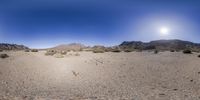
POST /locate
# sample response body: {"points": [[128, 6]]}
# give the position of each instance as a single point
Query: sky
{"points": [[46, 23]]}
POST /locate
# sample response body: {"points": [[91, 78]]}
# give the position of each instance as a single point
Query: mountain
{"points": [[72, 46], [174, 44], [6, 46]]}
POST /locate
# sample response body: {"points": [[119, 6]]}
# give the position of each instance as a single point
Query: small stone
{"points": [[175, 89]]}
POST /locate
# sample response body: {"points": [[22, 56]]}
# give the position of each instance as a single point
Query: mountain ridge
{"points": [[162, 44], [7, 46], [172, 44]]}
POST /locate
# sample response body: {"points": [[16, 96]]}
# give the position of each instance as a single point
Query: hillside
{"points": [[160, 45], [72, 46], [6, 46]]}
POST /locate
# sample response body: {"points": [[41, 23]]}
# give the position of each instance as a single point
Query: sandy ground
{"points": [[103, 76]]}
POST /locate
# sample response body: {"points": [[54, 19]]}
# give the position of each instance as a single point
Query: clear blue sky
{"points": [[46, 23]]}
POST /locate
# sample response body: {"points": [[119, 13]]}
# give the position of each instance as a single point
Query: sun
{"points": [[164, 31]]}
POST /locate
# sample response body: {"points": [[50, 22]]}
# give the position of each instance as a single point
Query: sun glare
{"points": [[164, 31]]}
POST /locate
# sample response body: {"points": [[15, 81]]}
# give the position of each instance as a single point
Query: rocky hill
{"points": [[6, 46], [160, 45], [72, 46]]}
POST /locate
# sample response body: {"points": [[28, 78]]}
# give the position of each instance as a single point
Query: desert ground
{"points": [[100, 76]]}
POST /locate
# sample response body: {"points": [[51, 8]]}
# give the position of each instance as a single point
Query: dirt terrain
{"points": [[100, 76]]}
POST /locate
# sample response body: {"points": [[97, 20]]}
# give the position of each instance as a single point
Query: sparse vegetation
{"points": [[58, 55], [151, 47], [138, 50], [128, 50], [108, 49], [4, 56], [187, 51], [76, 54], [156, 51], [1, 50], [34, 50], [116, 50], [63, 52], [26, 50], [98, 51], [50, 52], [172, 50]]}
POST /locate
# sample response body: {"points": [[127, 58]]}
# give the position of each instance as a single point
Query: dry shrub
{"points": [[76, 54], [34, 50], [187, 51], [63, 52], [50, 52], [199, 56], [1, 50], [172, 50], [26, 50], [128, 50], [98, 51], [4, 56], [138, 50], [108, 49], [116, 50], [58, 55], [155, 51]]}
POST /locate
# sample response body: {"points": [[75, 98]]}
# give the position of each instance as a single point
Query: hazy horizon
{"points": [[47, 23]]}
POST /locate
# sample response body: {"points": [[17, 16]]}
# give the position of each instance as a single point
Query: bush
{"points": [[172, 50], [58, 55], [151, 47], [76, 54], [63, 52], [138, 50], [128, 50], [187, 51], [34, 50], [50, 52], [1, 50], [116, 50], [199, 56], [4, 56], [108, 49], [26, 50], [155, 51], [98, 51]]}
